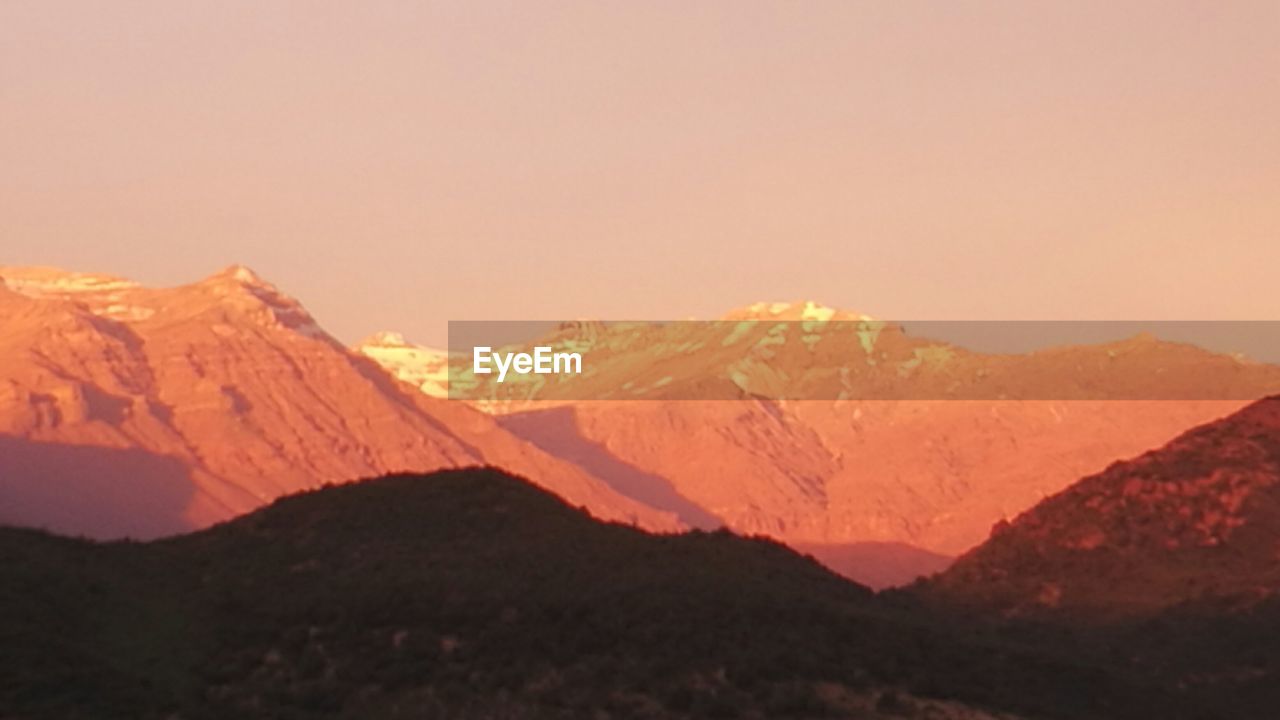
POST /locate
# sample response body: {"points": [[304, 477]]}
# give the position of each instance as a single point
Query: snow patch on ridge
{"points": [[386, 339], [814, 311], [244, 274], [424, 367], [126, 313], [44, 282], [804, 310]]}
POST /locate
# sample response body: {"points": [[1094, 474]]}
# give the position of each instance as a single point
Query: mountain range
{"points": [[634, 565], [198, 403], [901, 484]]}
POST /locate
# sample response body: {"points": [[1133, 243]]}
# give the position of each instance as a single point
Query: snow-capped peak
{"points": [[385, 339], [805, 310], [427, 368], [238, 274]]}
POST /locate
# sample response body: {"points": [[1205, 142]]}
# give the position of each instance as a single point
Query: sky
{"points": [[399, 164]]}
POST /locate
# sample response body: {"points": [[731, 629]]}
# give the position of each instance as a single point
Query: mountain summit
{"points": [[806, 310]]}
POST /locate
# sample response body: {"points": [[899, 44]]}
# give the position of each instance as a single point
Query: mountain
{"points": [[922, 473], [198, 403], [1194, 522], [470, 593]]}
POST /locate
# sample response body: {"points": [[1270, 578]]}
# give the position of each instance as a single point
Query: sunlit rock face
{"points": [[188, 405]]}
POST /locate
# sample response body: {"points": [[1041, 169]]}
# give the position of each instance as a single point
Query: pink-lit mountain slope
{"points": [[179, 407]]}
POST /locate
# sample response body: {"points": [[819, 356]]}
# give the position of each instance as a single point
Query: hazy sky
{"points": [[399, 164]]}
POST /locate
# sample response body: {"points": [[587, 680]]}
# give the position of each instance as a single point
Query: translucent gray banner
{"points": [[852, 358]]}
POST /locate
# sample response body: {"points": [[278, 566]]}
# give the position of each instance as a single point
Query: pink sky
{"points": [[399, 164]]}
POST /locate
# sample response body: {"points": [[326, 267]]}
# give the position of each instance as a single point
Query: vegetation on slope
{"points": [[473, 594]]}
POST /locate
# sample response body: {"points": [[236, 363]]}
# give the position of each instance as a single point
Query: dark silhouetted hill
{"points": [[473, 594], [1164, 569]]}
